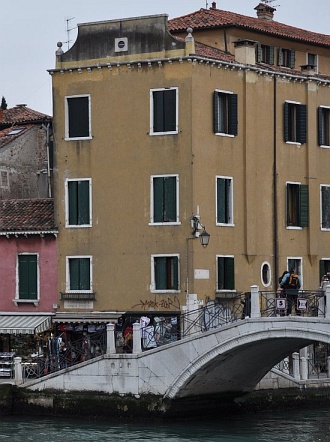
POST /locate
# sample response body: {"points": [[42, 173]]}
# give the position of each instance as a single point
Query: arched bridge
{"points": [[230, 358]]}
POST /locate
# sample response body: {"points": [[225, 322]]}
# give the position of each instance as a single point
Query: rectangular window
{"points": [[79, 274], [296, 264], [324, 266], [323, 125], [225, 113], [28, 276], [297, 213], [164, 111], [286, 58], [325, 207], [78, 203], [295, 125], [78, 118], [4, 182], [265, 54], [312, 60], [225, 271], [224, 192], [164, 199], [165, 273]]}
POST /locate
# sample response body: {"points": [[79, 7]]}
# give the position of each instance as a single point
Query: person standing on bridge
{"points": [[290, 283]]}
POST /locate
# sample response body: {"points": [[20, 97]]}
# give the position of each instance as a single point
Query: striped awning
{"points": [[24, 324]]}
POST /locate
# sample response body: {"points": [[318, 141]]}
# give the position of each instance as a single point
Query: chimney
{"points": [[190, 43], [308, 69], [265, 12], [245, 51], [214, 5]]}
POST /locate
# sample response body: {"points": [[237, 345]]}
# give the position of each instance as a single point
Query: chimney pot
{"points": [[214, 5]]}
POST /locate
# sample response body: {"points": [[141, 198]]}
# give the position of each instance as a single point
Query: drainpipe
{"points": [[275, 239]]}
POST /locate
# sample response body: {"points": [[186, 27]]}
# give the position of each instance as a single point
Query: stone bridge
{"points": [[230, 359]]}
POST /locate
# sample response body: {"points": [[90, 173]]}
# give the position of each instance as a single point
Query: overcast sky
{"points": [[31, 29]]}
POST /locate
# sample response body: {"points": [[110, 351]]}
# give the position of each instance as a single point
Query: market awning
{"points": [[24, 324], [87, 317]]}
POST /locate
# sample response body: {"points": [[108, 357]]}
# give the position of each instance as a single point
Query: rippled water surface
{"points": [[302, 426]]}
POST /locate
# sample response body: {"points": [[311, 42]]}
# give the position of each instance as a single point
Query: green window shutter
{"points": [[158, 109], [232, 107], [160, 273], [83, 202], [270, 55], [27, 274], [216, 111], [169, 199], [320, 126], [230, 276], [259, 53], [84, 274], [170, 110], [286, 122], [78, 114], [304, 206], [74, 273], [221, 273], [73, 202], [292, 58], [158, 184], [301, 123], [325, 206], [221, 200], [280, 57], [175, 269]]}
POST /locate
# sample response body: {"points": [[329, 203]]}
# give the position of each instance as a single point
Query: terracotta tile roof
{"points": [[210, 52], [21, 114], [11, 133], [27, 215], [216, 18]]}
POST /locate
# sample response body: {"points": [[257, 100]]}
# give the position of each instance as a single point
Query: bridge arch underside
{"points": [[237, 365]]}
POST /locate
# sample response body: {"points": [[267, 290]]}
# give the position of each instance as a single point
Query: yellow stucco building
{"points": [[213, 119]]}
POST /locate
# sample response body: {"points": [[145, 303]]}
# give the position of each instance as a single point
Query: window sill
{"points": [[293, 143], [26, 301], [152, 134], [221, 134], [325, 146], [78, 139], [170, 223], [225, 225], [293, 228], [78, 226], [159, 292], [81, 296]]}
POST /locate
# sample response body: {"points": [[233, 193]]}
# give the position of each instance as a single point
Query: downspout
{"points": [[48, 162], [275, 239]]}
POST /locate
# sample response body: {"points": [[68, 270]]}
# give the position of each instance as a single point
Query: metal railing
{"points": [[306, 303]]}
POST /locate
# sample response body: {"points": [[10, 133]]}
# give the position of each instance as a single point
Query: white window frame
{"points": [[321, 208], [325, 146], [266, 263], [171, 223], [153, 276], [77, 226], [176, 131], [286, 205], [224, 134], [89, 137], [217, 273], [17, 299], [231, 203], [316, 58], [298, 103], [67, 279]]}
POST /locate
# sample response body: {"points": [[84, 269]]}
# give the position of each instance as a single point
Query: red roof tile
{"points": [[27, 215], [22, 114], [216, 18], [9, 134]]}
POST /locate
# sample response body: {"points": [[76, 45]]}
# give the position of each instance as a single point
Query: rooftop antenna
{"points": [[206, 4], [68, 30]]}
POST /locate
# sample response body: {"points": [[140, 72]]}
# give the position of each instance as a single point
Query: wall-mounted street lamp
{"points": [[196, 225], [204, 238]]}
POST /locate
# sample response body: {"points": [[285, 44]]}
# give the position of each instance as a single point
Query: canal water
{"points": [[290, 425]]}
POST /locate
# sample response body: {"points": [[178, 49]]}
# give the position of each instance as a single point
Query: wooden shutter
{"points": [[280, 57], [320, 126], [286, 122], [169, 199], [229, 272], [304, 206], [73, 202], [259, 53], [270, 53], [74, 273], [221, 200], [325, 206], [170, 110], [78, 116], [292, 58], [27, 277], [160, 273], [221, 273], [158, 110], [301, 123], [175, 270], [158, 187], [232, 120], [83, 202], [216, 112], [84, 274]]}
